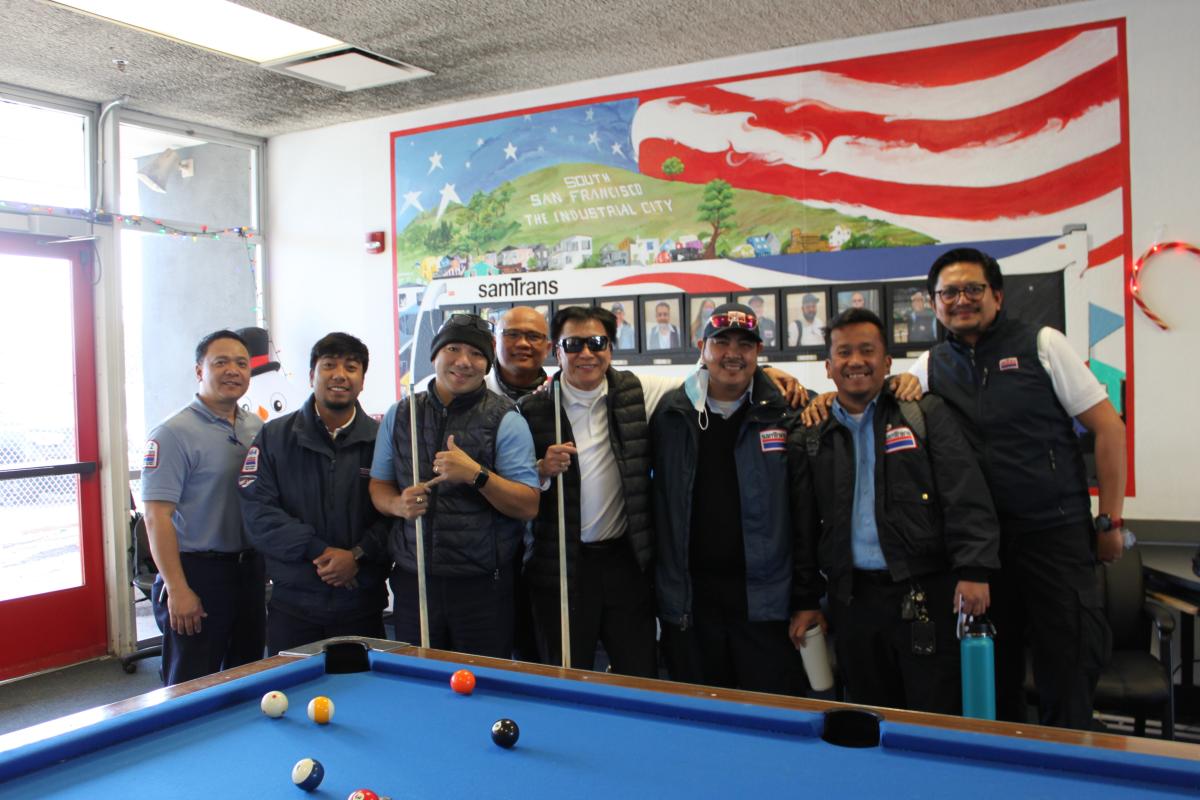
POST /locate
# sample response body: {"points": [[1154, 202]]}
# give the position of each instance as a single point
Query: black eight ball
{"points": [[505, 733]]}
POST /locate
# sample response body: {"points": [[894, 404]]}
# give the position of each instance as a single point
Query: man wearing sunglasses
{"points": [[477, 489], [1016, 388], [724, 532], [605, 457]]}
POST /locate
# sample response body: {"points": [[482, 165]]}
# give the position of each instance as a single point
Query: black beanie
{"points": [[468, 329]]}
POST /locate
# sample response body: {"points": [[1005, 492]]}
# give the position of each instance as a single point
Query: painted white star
{"points": [[467, 164], [554, 129], [510, 152], [594, 138], [528, 117], [435, 162], [616, 149], [448, 196], [412, 200], [590, 115], [479, 142]]}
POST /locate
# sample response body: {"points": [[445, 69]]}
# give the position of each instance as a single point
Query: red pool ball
{"points": [[463, 681]]}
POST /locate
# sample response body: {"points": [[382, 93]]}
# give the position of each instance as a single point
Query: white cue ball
{"points": [[274, 704]]}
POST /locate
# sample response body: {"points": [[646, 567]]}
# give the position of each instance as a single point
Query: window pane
{"points": [[39, 536], [43, 156], [170, 176]]}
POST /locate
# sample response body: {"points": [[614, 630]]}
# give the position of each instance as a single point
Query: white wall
{"points": [[328, 187]]}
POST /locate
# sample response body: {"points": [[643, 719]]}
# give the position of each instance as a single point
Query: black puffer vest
{"points": [[629, 436], [1023, 437], [464, 534]]}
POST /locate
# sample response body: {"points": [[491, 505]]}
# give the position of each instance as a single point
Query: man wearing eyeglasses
{"points": [[477, 489], [724, 532], [1016, 388], [209, 596], [522, 345], [605, 457]]}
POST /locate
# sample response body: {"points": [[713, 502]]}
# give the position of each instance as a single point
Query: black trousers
{"points": [[875, 649], [466, 614], [612, 602], [724, 648], [1047, 596], [524, 639], [286, 630], [233, 594]]}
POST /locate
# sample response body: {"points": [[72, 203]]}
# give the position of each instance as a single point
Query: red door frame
{"points": [[70, 625]]}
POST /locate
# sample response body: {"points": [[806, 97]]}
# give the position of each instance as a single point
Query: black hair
{"points": [[583, 314], [969, 255], [203, 345], [854, 316], [339, 345]]}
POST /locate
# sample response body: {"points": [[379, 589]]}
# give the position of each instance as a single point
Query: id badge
{"points": [[923, 642]]}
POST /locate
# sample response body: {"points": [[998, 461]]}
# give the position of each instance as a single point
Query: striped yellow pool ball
{"points": [[320, 710]]}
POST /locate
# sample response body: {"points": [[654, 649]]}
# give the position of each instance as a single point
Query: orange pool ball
{"points": [[320, 710], [463, 681]]}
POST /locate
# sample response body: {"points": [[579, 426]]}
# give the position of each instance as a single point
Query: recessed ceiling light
{"points": [[348, 69], [211, 24]]}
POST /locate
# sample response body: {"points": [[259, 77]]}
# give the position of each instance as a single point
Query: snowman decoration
{"points": [[271, 394]]}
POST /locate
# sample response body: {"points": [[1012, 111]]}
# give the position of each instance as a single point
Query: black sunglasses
{"points": [[575, 344], [464, 320]]}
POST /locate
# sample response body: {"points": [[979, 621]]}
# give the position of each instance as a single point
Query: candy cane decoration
{"points": [[1135, 284]]}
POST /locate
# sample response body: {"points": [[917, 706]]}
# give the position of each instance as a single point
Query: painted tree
{"points": [[717, 210], [484, 221], [672, 167]]}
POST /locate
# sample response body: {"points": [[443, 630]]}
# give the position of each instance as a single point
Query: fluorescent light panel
{"points": [[349, 70], [212, 24]]}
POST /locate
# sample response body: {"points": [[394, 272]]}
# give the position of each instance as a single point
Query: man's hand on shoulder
{"points": [[792, 390]]}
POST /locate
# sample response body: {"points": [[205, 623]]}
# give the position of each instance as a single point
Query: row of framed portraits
{"points": [[663, 328]]}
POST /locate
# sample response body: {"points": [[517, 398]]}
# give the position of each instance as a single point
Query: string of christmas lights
{"points": [[1135, 277], [130, 221]]}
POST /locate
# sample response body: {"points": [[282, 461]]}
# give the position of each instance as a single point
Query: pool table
{"points": [[399, 730]]}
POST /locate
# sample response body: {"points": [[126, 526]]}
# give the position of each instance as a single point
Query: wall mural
{"points": [[1010, 137]]}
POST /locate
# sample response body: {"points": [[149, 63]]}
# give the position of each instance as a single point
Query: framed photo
{"points": [[700, 308], [867, 297], [625, 310], [911, 310], [493, 311], [664, 330], [765, 304], [807, 313]]}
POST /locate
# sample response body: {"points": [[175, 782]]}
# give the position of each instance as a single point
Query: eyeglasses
{"points": [[734, 319], [464, 320], [533, 337], [973, 291], [575, 344]]}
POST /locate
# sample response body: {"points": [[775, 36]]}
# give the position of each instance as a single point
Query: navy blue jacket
{"points": [[762, 466], [302, 492]]}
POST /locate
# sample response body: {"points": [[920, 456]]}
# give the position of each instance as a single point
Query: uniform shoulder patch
{"points": [[1009, 363], [150, 457], [250, 465]]}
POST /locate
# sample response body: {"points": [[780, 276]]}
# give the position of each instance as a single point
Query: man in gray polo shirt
{"points": [[209, 594]]}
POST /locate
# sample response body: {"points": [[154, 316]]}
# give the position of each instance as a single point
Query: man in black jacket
{"points": [[900, 522], [723, 523], [305, 501]]}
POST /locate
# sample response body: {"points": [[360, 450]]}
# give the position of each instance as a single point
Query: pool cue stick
{"points": [[422, 597], [564, 611]]}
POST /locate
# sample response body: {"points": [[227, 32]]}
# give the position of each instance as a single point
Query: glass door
{"points": [[52, 609]]}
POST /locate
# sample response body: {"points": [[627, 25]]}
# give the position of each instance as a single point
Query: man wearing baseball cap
{"points": [[725, 540], [477, 485]]}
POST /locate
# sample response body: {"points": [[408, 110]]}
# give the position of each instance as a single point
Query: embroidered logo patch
{"points": [[773, 440], [251, 462], [899, 439], [150, 459], [1009, 363], [247, 480]]}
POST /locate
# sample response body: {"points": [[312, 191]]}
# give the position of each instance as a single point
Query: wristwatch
{"points": [[481, 478], [1105, 523], [357, 552]]}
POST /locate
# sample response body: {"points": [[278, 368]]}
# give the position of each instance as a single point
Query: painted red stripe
{"points": [[945, 65], [685, 281], [1114, 248], [1059, 189], [1058, 107]]}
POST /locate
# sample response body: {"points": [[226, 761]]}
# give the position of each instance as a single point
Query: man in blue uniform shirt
{"points": [[305, 500], [209, 594]]}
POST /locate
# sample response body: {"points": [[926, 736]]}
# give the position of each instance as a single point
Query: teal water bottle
{"points": [[978, 666]]}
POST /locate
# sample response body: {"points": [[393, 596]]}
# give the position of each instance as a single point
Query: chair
{"points": [[1135, 682], [142, 571]]}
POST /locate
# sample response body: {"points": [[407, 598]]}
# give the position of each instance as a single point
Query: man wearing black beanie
{"points": [[477, 487]]}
